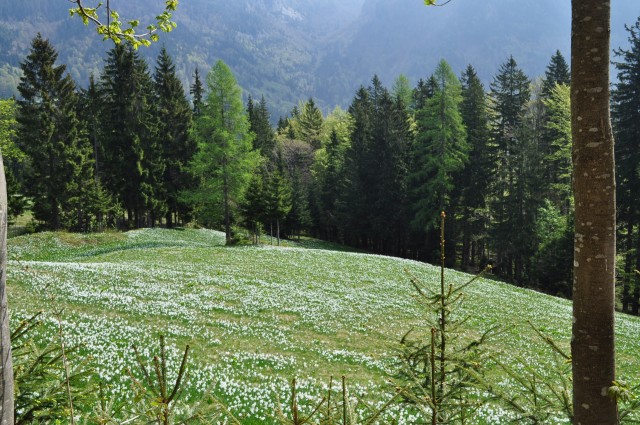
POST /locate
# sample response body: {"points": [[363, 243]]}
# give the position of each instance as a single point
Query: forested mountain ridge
{"points": [[288, 50]]}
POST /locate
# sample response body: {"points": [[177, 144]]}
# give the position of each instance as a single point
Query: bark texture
{"points": [[593, 342], [6, 367]]}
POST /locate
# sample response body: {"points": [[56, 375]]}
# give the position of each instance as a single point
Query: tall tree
{"points": [[13, 158], [626, 104], [197, 93], [476, 174], [50, 134], [177, 148], [440, 151], [510, 94], [357, 197], [557, 72], [593, 333], [558, 157], [224, 160], [259, 120], [401, 89], [309, 122], [132, 163]]}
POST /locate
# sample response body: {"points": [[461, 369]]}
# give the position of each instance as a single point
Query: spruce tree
{"points": [[197, 93], [355, 202], [133, 166], [626, 104], [259, 120], [330, 187], [310, 124], [277, 191], [476, 174], [60, 173], [557, 73], [510, 94], [254, 204], [177, 148]]}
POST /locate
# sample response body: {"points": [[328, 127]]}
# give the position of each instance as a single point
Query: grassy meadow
{"points": [[257, 316]]}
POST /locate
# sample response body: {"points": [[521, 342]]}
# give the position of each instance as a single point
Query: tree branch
{"points": [[115, 30]]}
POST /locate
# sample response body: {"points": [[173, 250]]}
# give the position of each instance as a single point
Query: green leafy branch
{"points": [[111, 27]]}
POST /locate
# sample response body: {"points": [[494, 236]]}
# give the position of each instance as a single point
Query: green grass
{"points": [[257, 316]]}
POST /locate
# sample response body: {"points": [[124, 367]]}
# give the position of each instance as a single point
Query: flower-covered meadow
{"points": [[257, 316]]}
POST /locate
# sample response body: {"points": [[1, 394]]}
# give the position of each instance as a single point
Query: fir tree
{"points": [[356, 200], [626, 104], [260, 125], [476, 174], [310, 124], [133, 166], [557, 73], [510, 94], [177, 149], [197, 92], [60, 174]]}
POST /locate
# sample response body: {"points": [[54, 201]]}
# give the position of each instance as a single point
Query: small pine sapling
{"points": [[441, 366]]}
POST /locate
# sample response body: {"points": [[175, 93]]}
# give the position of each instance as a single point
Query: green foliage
{"points": [[42, 386], [111, 27], [259, 119], [308, 124], [224, 159], [175, 146], [440, 149], [538, 397], [473, 178], [552, 261], [511, 184], [625, 104], [59, 176], [133, 166], [12, 157], [401, 89], [557, 72], [442, 366], [558, 127], [334, 408]]}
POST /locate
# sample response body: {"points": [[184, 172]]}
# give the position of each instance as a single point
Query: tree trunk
{"points": [[6, 365], [628, 267], [227, 201], [593, 341], [278, 230]]}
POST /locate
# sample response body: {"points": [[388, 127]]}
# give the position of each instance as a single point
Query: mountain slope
{"points": [[288, 50], [257, 316]]}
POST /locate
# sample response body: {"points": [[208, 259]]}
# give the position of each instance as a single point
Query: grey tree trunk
{"points": [[6, 367], [593, 341]]}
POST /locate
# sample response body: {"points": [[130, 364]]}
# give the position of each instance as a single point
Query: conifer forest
{"points": [[136, 149], [450, 170]]}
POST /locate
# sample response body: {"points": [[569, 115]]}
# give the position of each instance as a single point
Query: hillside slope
{"points": [[258, 316], [288, 50]]}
